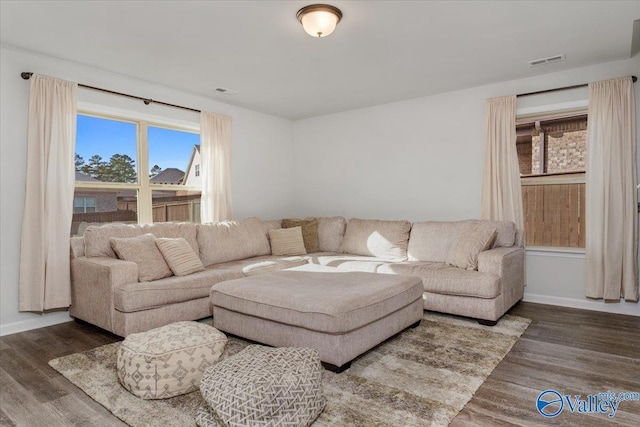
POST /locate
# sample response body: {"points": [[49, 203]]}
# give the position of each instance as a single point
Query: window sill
{"points": [[553, 251]]}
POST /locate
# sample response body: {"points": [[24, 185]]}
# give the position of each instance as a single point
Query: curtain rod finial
{"points": [[26, 75], [634, 79]]}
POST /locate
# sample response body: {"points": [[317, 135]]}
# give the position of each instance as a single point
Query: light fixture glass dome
{"points": [[319, 20]]}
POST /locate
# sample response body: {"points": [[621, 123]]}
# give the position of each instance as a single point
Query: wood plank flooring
{"points": [[569, 350]]}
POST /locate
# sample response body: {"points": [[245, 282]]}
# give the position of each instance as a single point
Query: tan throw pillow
{"points": [[143, 251], [178, 254], [309, 232], [470, 241], [287, 241]]}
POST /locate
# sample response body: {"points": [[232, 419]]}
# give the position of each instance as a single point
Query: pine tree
{"points": [[155, 170], [121, 168], [95, 167], [79, 161]]}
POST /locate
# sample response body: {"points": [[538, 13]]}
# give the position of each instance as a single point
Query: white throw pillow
{"points": [[470, 241], [287, 241], [178, 254], [143, 251]]}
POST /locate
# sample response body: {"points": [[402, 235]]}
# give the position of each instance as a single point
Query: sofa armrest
{"points": [[494, 260], [508, 264], [77, 247], [93, 281]]}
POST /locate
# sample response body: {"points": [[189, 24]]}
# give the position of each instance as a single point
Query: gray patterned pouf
{"points": [[170, 360], [263, 387]]}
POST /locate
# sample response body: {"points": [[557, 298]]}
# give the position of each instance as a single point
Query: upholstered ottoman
{"points": [[340, 314], [170, 360], [263, 386]]}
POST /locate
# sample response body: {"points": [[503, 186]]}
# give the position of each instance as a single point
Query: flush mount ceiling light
{"points": [[319, 20]]}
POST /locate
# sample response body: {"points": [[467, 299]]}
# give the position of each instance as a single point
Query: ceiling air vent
{"points": [[226, 91], [547, 60]]}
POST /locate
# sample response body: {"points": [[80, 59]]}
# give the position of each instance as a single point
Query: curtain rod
{"points": [[27, 75], [538, 92]]}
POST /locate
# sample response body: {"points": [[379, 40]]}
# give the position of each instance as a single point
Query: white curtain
{"points": [[48, 208], [215, 149], [501, 191], [611, 197]]}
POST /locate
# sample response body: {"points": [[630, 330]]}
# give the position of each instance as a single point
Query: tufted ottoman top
{"points": [[170, 360], [265, 387]]}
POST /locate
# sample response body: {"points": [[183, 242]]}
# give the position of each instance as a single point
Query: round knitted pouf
{"points": [[263, 387], [170, 360]]}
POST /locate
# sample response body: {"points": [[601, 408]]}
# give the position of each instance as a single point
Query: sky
{"points": [[168, 148]]}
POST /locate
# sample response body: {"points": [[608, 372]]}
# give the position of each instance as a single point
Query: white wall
{"points": [[262, 156], [422, 159]]}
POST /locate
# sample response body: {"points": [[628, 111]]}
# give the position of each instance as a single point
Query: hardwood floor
{"points": [[569, 350]]}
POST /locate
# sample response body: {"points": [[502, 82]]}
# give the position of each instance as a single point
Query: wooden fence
{"points": [[170, 209], [554, 214], [178, 211]]}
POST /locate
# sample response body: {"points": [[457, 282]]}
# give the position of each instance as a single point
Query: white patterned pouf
{"points": [[265, 387], [170, 360]]}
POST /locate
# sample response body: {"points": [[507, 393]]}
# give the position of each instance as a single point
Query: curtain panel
{"points": [[501, 190], [611, 194], [215, 149], [45, 281]]}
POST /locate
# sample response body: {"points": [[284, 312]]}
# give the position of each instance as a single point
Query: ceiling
{"points": [[381, 52]]}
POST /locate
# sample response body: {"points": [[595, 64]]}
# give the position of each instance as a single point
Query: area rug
{"points": [[421, 377]]}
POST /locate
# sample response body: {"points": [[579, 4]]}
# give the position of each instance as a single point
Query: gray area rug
{"points": [[421, 377]]}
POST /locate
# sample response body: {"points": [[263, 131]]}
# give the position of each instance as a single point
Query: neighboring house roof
{"points": [[84, 177], [168, 176]]}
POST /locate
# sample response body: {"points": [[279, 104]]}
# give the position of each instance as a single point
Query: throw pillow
{"points": [[470, 241], [143, 251], [287, 241], [309, 232], [178, 254]]}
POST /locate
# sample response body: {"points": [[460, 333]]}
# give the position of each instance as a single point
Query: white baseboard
{"points": [[48, 319], [628, 308]]}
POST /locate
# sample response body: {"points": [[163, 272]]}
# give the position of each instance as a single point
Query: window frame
{"points": [[144, 188], [551, 112]]}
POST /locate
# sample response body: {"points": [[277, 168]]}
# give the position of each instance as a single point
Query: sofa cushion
{"points": [[505, 232], [474, 238], [411, 268], [456, 281], [287, 241], [96, 238], [348, 262], [132, 297], [309, 228], [261, 264], [330, 233], [232, 240], [143, 251], [431, 240], [270, 224], [382, 239], [182, 260]]}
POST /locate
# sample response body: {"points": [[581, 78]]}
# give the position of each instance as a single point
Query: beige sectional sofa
{"points": [[106, 291]]}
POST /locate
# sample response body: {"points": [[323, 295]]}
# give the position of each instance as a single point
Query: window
{"points": [[197, 169], [552, 159], [84, 204], [133, 171]]}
